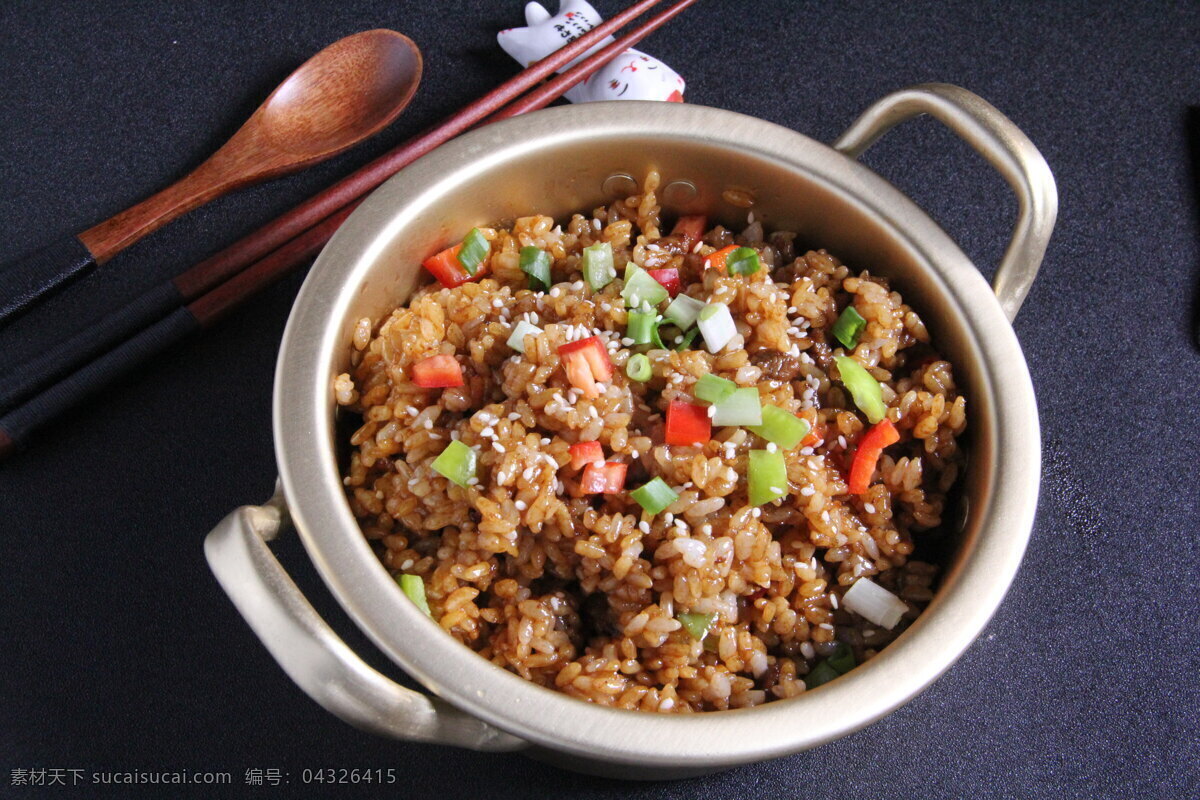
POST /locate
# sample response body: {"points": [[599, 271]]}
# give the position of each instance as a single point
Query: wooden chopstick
{"points": [[220, 283]]}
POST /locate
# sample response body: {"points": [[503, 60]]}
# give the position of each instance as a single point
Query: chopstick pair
{"points": [[201, 295]]}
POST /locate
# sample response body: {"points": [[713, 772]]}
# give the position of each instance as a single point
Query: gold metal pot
{"points": [[556, 162]]}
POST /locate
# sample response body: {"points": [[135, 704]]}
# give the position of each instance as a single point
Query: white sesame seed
{"points": [[668, 518], [497, 303], [545, 442], [756, 512], [499, 448], [412, 411], [488, 432], [555, 292], [806, 451], [577, 286], [696, 247], [644, 526], [826, 626], [842, 441], [706, 529], [869, 508], [776, 490], [428, 424], [833, 600], [473, 482], [596, 223], [791, 309], [807, 491], [520, 504], [771, 448], [711, 411], [825, 516], [408, 562], [626, 341], [514, 416]]}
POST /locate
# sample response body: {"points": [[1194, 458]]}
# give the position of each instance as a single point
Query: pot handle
{"points": [[1006, 148], [314, 656]]}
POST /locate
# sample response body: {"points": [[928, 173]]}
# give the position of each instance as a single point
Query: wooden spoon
{"points": [[342, 95]]}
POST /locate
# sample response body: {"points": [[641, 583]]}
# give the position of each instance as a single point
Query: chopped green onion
{"points": [[414, 587], [474, 250], [517, 340], [688, 338], [536, 264], [654, 496], [821, 673], [767, 477], [638, 368], [781, 427], [842, 658], [716, 326], [655, 336], [849, 327], [863, 388], [642, 288], [630, 268], [743, 261], [713, 389], [696, 625], [598, 269], [456, 463], [683, 311], [874, 603], [640, 326], [741, 407]]}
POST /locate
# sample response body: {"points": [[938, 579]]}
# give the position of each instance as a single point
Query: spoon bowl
{"points": [[349, 91]]}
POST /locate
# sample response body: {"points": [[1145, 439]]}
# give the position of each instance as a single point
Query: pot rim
{"points": [[304, 435]]}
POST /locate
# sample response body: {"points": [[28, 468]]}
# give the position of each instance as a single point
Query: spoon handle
{"points": [[213, 178], [24, 282]]}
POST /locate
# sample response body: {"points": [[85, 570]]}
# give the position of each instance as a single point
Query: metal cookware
{"points": [[566, 159]]}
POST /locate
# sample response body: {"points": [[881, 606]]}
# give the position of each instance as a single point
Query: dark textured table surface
{"points": [[119, 652]]}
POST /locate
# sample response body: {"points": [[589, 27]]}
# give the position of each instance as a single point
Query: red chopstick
{"points": [[220, 283]]}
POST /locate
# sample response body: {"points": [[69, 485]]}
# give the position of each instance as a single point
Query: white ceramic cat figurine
{"points": [[633, 75]]}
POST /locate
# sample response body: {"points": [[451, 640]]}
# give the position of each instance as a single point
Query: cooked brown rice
{"points": [[582, 593]]}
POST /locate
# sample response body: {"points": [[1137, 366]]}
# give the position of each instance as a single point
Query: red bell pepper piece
{"points": [[717, 259], [882, 434], [446, 268], [437, 372], [586, 361], [584, 453], [690, 229], [606, 478], [669, 278], [687, 423]]}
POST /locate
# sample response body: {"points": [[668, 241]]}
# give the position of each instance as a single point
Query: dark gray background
{"points": [[119, 652]]}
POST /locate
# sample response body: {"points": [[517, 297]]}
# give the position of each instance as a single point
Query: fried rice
{"points": [[591, 594]]}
